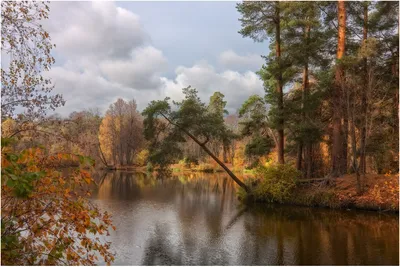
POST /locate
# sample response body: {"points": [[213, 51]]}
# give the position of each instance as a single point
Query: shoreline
{"points": [[380, 191]]}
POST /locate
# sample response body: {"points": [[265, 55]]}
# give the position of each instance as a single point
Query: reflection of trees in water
{"points": [[119, 185], [296, 236], [160, 251], [200, 202], [207, 214]]}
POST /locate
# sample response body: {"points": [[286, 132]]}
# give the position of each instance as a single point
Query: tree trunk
{"points": [[233, 176], [299, 156], [102, 157], [337, 99], [232, 154], [353, 140], [308, 162], [203, 146], [364, 98], [304, 114], [345, 133], [225, 153], [279, 88]]}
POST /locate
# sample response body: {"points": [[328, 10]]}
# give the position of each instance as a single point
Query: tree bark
{"points": [[308, 163], [279, 88], [364, 98], [353, 140], [305, 93], [345, 132], [337, 98], [299, 156], [103, 158]]}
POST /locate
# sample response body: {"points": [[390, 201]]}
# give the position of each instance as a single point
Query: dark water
{"points": [[195, 219]]}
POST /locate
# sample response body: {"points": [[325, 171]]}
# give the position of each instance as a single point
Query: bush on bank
{"points": [[273, 183]]}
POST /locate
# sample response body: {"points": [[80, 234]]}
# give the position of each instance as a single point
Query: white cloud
{"points": [[94, 29], [142, 70], [229, 59], [108, 52], [87, 89]]}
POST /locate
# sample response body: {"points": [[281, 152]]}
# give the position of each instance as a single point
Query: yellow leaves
{"points": [[52, 189], [61, 181], [81, 229], [58, 210], [86, 176], [66, 193]]}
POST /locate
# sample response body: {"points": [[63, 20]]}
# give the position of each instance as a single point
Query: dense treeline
{"points": [[348, 99], [330, 107]]}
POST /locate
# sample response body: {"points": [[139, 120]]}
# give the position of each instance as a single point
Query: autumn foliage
{"points": [[46, 217]]}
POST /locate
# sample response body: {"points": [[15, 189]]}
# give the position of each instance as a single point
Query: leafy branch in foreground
{"points": [[46, 218], [166, 129]]}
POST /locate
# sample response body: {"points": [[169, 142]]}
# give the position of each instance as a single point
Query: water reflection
{"points": [[195, 219]]}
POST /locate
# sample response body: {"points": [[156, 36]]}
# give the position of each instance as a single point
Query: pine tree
{"points": [[304, 38], [261, 20]]}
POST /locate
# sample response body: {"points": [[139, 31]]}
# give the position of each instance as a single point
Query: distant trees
{"points": [[120, 133]]}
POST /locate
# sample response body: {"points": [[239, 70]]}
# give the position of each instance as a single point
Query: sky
{"points": [[149, 50]]}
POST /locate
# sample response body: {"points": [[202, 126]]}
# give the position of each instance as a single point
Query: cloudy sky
{"points": [[150, 50]]}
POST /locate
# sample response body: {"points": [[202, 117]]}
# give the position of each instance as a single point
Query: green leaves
{"points": [[84, 160], [21, 183], [277, 182], [6, 141], [259, 146], [166, 129]]}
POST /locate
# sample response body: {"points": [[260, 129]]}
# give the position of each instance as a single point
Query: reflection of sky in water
{"points": [[196, 220]]}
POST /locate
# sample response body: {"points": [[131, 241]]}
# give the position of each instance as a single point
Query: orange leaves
{"points": [[86, 176], [55, 215], [61, 181], [66, 193]]}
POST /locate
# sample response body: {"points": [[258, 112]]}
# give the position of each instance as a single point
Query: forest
{"points": [[325, 133]]}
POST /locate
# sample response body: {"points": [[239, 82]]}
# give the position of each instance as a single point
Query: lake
{"points": [[195, 219]]}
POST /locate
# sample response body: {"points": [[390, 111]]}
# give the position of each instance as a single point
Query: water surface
{"points": [[195, 219]]}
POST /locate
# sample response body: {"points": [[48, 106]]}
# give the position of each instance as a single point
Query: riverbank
{"points": [[381, 193]]}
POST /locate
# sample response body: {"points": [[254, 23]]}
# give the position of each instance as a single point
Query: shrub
{"points": [[252, 165], [142, 157], [149, 167], [205, 167], [275, 183]]}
